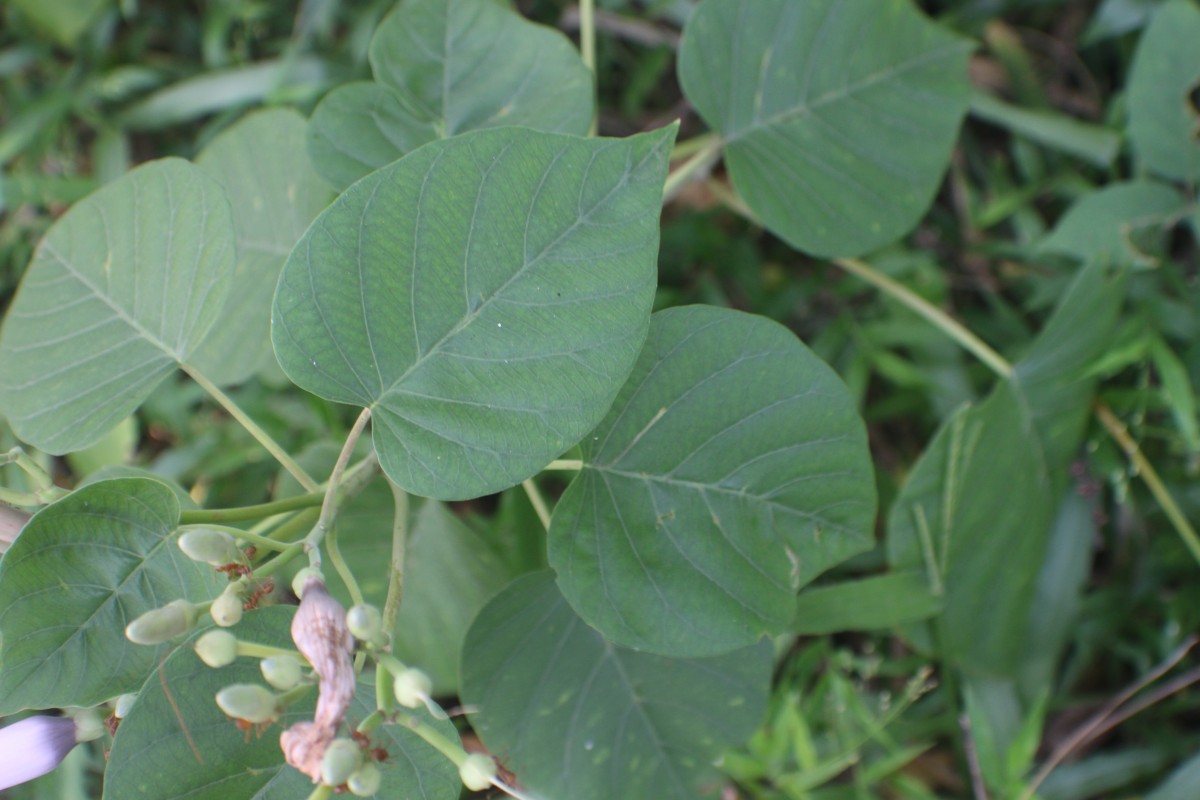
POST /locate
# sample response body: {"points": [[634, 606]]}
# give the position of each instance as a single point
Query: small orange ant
{"points": [[264, 588], [364, 741], [245, 726], [234, 570]]}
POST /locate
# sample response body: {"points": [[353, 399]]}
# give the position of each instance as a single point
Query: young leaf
{"points": [[485, 296], [574, 716], [1163, 115], [1101, 225], [986, 548], [866, 604], [124, 287], [275, 193], [82, 569], [444, 67], [839, 116], [732, 469], [181, 745]]}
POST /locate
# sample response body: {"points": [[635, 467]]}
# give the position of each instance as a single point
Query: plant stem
{"points": [[1093, 726], [939, 318], [539, 503], [1004, 369], [695, 167], [322, 792], [1146, 470], [587, 48], [300, 522], [312, 542], [205, 516], [256, 650], [433, 738], [341, 568], [247, 536], [271, 446], [573, 464], [44, 491], [391, 606]]}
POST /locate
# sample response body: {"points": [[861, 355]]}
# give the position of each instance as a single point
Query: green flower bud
{"points": [[209, 546], [411, 687], [250, 702], [88, 725], [365, 780], [365, 622], [217, 648], [123, 705], [302, 577], [161, 624], [477, 772], [282, 672], [226, 610], [342, 759]]}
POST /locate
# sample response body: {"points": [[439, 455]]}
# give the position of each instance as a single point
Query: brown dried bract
{"points": [[320, 633]]}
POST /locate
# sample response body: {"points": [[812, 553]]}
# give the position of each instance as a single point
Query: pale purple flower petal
{"points": [[32, 747]]}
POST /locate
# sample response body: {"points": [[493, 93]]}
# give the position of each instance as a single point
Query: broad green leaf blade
{"points": [[1163, 112], [360, 127], [983, 549], [123, 288], [573, 716], [444, 67], [980, 547], [866, 604], [1058, 593], [732, 469], [1101, 226], [485, 296], [182, 745], [1054, 379], [63, 20], [263, 165], [839, 116], [1052, 129], [82, 569]]}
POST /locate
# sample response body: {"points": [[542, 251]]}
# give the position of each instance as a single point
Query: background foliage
{"points": [[1063, 235]]}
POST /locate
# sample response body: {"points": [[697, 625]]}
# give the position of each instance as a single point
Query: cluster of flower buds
{"points": [[345, 763]]}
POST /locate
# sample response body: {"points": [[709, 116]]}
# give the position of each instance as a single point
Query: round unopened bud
{"points": [[342, 759], [365, 622], [303, 577], [123, 705], [282, 671], [250, 702], [217, 648], [365, 780], [209, 546], [477, 772], [411, 687], [88, 725], [161, 624], [226, 610]]}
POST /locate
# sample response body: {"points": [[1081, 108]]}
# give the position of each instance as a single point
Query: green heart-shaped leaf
{"points": [[123, 288], [1163, 113], [574, 716], [444, 67], [732, 469], [839, 116], [485, 296], [81, 570], [263, 165]]}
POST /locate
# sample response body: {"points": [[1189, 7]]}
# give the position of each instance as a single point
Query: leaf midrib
{"points": [[807, 109]]}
